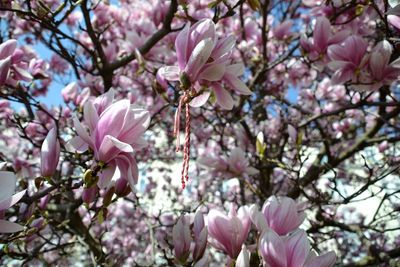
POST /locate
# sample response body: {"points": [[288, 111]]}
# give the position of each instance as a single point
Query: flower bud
{"points": [[44, 201], [181, 239], [122, 188], [89, 194], [200, 236], [50, 154], [108, 196]]}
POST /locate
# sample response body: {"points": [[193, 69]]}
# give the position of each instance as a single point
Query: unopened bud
{"points": [[122, 187], [108, 196], [89, 194]]}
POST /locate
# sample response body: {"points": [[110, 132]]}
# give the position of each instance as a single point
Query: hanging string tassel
{"points": [[186, 146]]}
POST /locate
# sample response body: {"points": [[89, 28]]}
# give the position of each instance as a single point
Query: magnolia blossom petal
{"points": [[77, 144], [181, 46], [200, 244], [106, 175], [4, 70], [223, 46], [198, 223], [224, 99], [203, 262], [198, 58], [243, 215], [9, 202], [377, 65], [243, 260], [10, 227], [258, 218], [169, 73], [325, 260], [394, 21], [111, 120], [236, 69], [236, 84], [181, 239], [102, 102], [7, 48], [136, 122], [201, 30], [237, 155], [7, 181], [321, 33], [80, 130], [212, 73], [225, 230], [139, 143], [282, 215], [110, 147], [341, 76], [89, 194], [50, 153], [282, 30], [297, 248], [90, 115], [70, 92], [200, 100], [272, 249], [22, 74], [128, 168]]}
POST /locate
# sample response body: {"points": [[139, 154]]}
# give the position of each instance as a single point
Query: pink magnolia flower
{"points": [[317, 46], [204, 60], [50, 154], [347, 59], [14, 64], [381, 72], [8, 199], [70, 92], [58, 64], [236, 165], [38, 68], [283, 30], [283, 215], [291, 251], [6, 51], [181, 238], [228, 233], [112, 130]]}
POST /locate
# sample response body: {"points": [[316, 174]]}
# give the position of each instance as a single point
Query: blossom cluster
{"points": [[280, 241]]}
